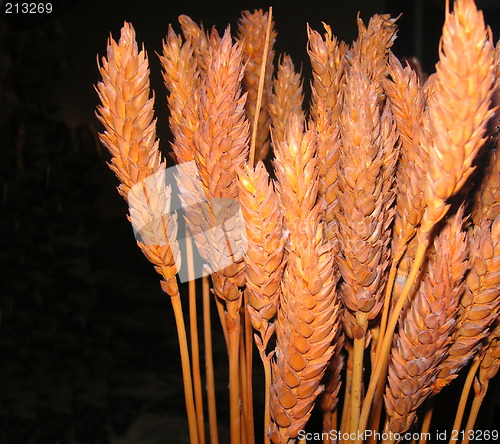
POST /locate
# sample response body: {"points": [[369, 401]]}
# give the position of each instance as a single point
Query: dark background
{"points": [[88, 349]]}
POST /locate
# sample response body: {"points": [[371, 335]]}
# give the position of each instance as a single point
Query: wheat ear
{"points": [[372, 48], [199, 40], [308, 314], [479, 305], [221, 144], [365, 195], [459, 108], [406, 97], [182, 79], [287, 97], [127, 115], [328, 63], [252, 28], [426, 331], [264, 261]]}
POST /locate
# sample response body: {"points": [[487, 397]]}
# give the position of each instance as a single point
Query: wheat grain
{"points": [[252, 34]]}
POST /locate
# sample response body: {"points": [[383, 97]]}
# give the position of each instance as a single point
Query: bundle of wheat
{"points": [[351, 250]]}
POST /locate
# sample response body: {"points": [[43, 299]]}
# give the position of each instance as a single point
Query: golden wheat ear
{"points": [[126, 112], [425, 333], [308, 313], [287, 98], [128, 118], [459, 108], [252, 29], [479, 304], [329, 66]]}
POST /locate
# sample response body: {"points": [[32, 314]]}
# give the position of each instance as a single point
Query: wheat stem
{"points": [[344, 422], [381, 362], [186, 368], [249, 373], [266, 360], [234, 379], [474, 410], [463, 398], [220, 311], [195, 349], [209, 363], [426, 423], [387, 304], [261, 87], [327, 426], [377, 404], [357, 373], [244, 412]]}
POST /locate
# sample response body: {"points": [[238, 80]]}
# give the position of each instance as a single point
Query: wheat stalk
{"points": [[130, 136], [365, 195], [221, 144], [308, 313], [425, 332], [328, 63], [264, 261], [252, 33]]}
